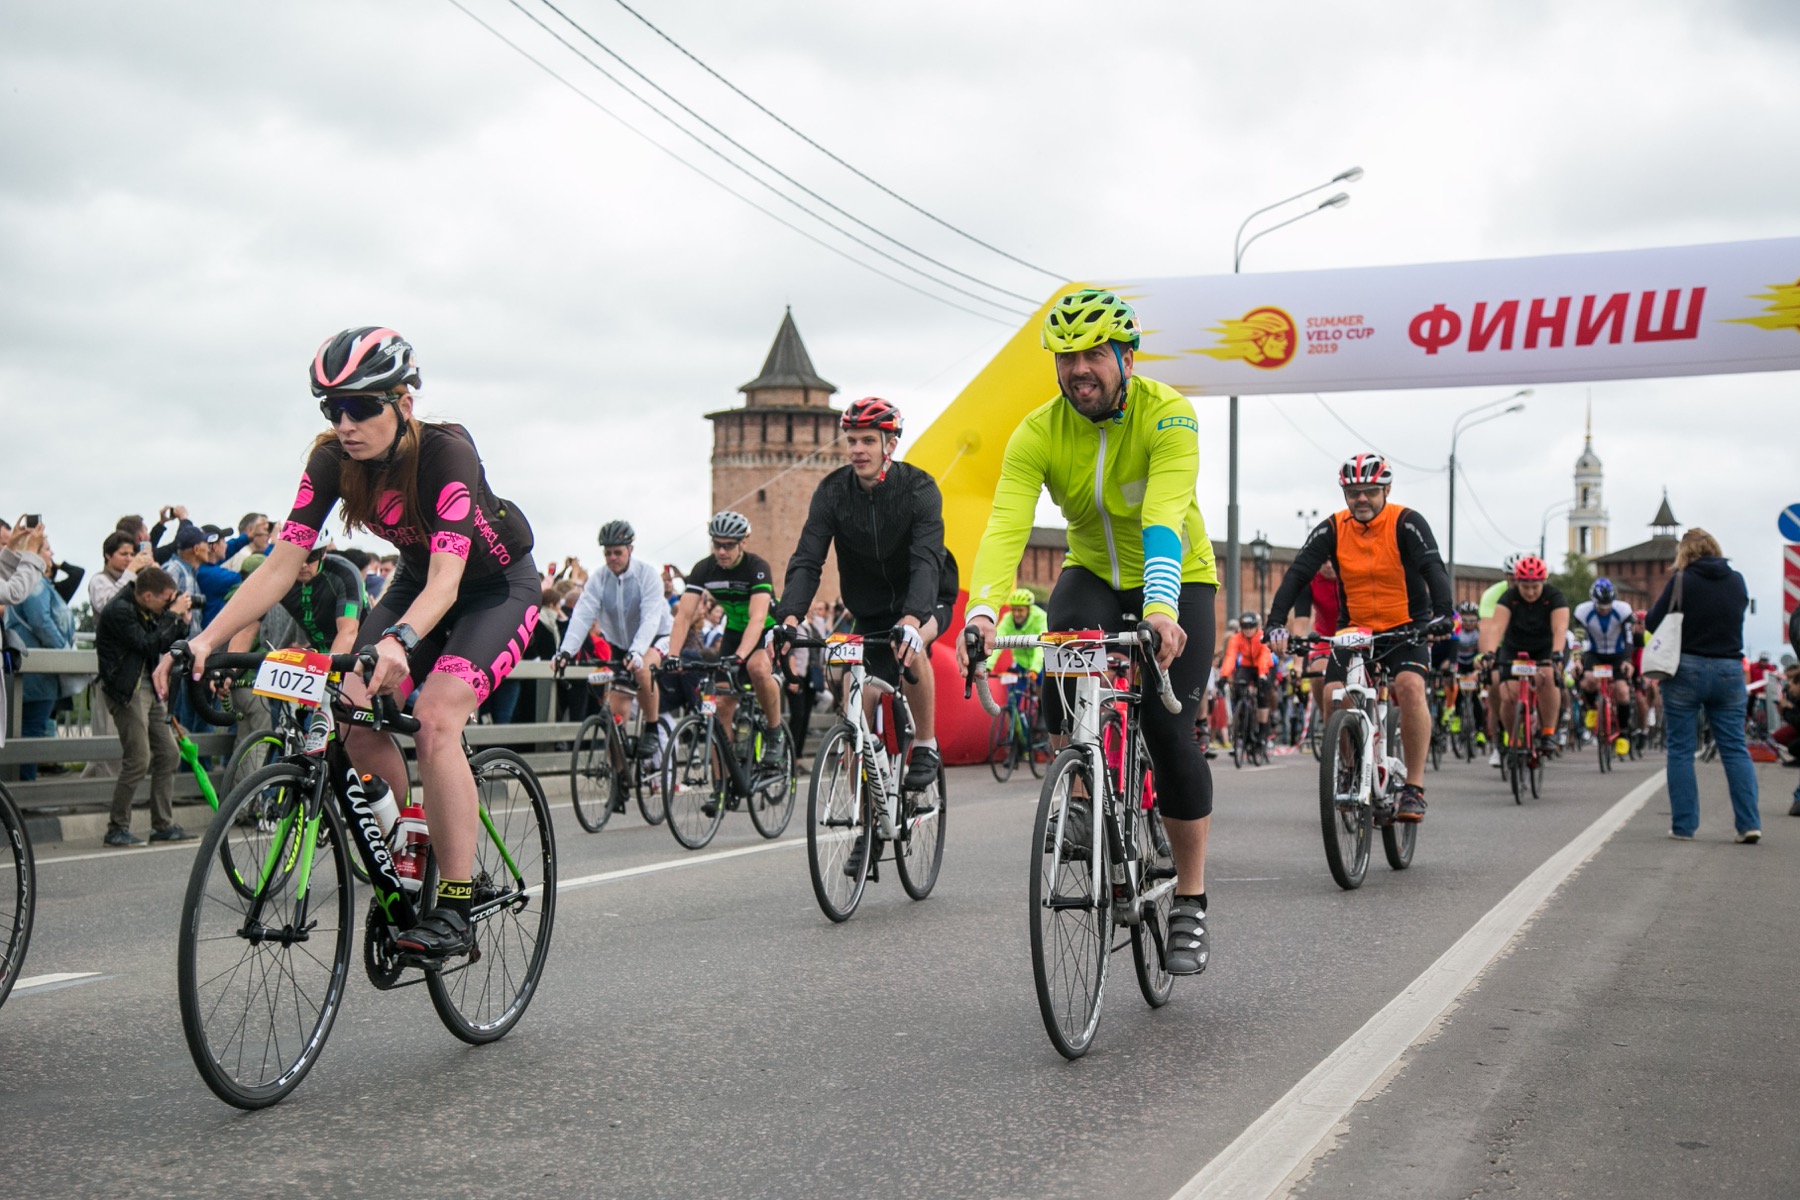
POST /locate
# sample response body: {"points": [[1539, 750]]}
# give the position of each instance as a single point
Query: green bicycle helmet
{"points": [[1088, 318], [1020, 596]]}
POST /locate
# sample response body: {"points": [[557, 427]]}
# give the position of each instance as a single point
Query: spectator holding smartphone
{"points": [[121, 560], [40, 621]]}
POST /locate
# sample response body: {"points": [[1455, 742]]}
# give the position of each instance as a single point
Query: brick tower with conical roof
{"points": [[770, 454]]}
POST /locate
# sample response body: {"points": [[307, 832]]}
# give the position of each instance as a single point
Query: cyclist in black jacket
{"points": [[886, 520]]}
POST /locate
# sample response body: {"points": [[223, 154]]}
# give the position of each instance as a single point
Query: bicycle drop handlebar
{"points": [[387, 712], [893, 637], [1144, 637]]}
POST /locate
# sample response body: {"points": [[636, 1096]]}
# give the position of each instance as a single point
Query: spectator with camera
{"points": [[139, 625], [39, 621]]}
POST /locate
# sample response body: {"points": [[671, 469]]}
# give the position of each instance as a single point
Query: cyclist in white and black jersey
{"points": [[1608, 624], [626, 602]]}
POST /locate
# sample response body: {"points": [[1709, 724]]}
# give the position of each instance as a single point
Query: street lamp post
{"points": [[1456, 431], [1259, 554], [1233, 550], [1544, 525]]}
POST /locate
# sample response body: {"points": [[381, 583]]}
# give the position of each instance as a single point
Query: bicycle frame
{"points": [[1367, 699], [872, 749]]}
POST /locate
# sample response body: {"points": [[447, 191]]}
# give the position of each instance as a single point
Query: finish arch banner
{"points": [[1689, 310]]}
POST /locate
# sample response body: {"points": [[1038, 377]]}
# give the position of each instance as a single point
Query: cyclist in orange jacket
{"points": [[1249, 661]]}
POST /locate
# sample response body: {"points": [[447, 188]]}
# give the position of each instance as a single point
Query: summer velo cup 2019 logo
{"points": [[1263, 337]]}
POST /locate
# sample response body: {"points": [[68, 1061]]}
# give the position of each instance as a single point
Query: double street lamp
{"points": [[1239, 244], [1456, 431]]}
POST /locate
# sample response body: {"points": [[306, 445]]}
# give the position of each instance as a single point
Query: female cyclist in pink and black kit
{"points": [[457, 614]]}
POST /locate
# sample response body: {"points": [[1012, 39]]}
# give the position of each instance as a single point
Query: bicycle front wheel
{"points": [[265, 938], [1071, 919], [1343, 810], [920, 852], [838, 834], [1398, 840], [18, 902], [1002, 752], [514, 907], [1150, 936], [694, 782], [775, 787], [594, 780]]}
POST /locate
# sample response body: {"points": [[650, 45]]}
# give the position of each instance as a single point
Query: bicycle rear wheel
{"points": [[837, 825], [776, 786], [19, 901], [1345, 822], [693, 781], [514, 907], [262, 965], [920, 853], [594, 779], [1071, 919], [1150, 936], [247, 760]]}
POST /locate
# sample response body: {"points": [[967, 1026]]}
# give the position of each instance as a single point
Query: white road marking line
{"points": [[40, 981], [1279, 1145], [121, 852], [670, 864]]}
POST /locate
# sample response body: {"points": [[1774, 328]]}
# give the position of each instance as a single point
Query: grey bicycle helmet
{"points": [[728, 526], [617, 533]]}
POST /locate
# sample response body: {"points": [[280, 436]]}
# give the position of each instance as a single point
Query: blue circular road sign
{"points": [[1789, 523]]}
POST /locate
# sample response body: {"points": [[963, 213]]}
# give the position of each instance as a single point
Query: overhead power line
{"points": [[763, 162], [1369, 442], [1504, 536], [720, 184], [875, 183]]}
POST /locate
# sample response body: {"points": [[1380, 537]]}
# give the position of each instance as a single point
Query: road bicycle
{"points": [[1249, 741], [1610, 743], [1092, 877], [269, 915], [1018, 733], [858, 807], [1360, 774], [606, 765], [1465, 718], [18, 902], [1521, 758], [709, 770]]}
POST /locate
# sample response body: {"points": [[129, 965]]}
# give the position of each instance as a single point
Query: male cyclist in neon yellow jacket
{"points": [[1023, 618], [1120, 455]]}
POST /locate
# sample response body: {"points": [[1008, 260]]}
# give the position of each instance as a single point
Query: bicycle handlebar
{"points": [[786, 633], [387, 712], [1143, 637], [978, 672]]}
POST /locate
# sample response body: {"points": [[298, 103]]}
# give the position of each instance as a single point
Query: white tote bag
{"points": [[1662, 657]]}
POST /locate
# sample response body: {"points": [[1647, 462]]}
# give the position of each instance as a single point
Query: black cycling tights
{"points": [[1082, 600]]}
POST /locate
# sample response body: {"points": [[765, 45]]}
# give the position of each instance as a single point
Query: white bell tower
{"points": [[1587, 520]]}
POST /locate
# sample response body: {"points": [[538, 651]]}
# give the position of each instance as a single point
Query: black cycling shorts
{"points": [[1082, 600], [1617, 662], [1263, 685], [1401, 656], [878, 657], [483, 635]]}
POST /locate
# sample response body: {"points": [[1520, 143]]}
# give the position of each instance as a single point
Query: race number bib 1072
{"points": [[294, 675]]}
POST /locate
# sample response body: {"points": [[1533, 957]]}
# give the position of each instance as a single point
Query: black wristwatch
{"points": [[409, 640]]}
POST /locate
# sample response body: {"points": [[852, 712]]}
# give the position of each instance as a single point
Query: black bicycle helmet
{"points": [[617, 533]]}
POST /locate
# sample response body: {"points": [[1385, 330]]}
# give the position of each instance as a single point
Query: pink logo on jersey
{"points": [[468, 672], [453, 502], [304, 496], [390, 507], [450, 543]]}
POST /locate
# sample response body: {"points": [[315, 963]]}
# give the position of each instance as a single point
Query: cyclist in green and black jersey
{"points": [[741, 584]]}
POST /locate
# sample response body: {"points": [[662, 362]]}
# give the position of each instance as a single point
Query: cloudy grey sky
{"points": [[195, 194]]}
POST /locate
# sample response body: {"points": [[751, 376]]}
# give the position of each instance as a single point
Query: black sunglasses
{"points": [[731, 545], [359, 408]]}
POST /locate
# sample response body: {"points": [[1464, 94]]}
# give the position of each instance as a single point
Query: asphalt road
{"points": [[704, 1031]]}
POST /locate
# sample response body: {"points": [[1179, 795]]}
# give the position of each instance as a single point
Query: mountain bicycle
{"points": [[858, 805], [1360, 774], [606, 767], [269, 915], [1083, 886], [709, 770], [18, 903], [1018, 733]]}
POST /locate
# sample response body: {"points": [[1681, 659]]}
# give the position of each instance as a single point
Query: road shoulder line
{"points": [[1263, 1159]]}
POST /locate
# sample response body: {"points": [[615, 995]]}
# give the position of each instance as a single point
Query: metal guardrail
{"points": [[533, 738]]}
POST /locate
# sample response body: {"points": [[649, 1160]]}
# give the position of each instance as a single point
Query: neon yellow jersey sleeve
{"points": [[1125, 485], [1490, 599]]}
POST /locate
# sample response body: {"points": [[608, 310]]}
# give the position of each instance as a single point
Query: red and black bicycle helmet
{"points": [[1530, 569], [872, 412], [367, 359], [1360, 469]]}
